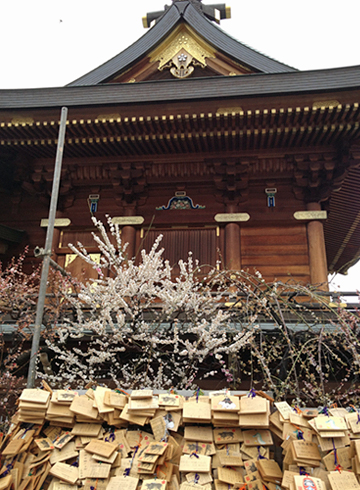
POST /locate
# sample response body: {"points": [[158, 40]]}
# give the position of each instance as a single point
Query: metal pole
{"points": [[40, 252], [48, 245]]}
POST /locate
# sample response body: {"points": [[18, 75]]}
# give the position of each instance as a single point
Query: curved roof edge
{"points": [[204, 27], [260, 84], [139, 48], [232, 47]]}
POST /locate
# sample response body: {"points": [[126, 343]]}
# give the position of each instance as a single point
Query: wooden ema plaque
{"points": [[228, 435], [306, 482], [258, 437], [65, 472], [168, 400], [343, 480], [155, 484], [102, 448], [225, 403], [35, 396], [252, 405], [84, 405], [197, 411], [122, 483], [324, 423], [195, 433], [195, 463], [229, 476], [199, 448]]}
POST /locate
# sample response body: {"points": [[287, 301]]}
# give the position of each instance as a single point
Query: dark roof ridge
{"points": [[203, 26]]}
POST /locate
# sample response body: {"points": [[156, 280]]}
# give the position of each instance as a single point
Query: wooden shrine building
{"points": [[189, 133]]}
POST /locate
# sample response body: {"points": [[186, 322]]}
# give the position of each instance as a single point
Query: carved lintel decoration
{"points": [[180, 202]]}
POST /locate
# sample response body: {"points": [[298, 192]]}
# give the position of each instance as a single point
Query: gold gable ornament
{"points": [[182, 62], [184, 49]]}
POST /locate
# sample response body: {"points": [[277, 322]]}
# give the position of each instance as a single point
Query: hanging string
{"points": [[333, 442], [260, 456], [300, 435], [297, 410], [197, 478], [299, 432], [9, 467], [166, 433], [195, 453], [120, 391], [303, 471], [159, 470], [197, 394], [94, 488], [324, 411], [127, 471], [252, 393], [336, 462], [111, 437], [24, 434]]}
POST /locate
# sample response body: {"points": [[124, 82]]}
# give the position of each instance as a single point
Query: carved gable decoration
{"points": [[181, 50], [177, 56]]}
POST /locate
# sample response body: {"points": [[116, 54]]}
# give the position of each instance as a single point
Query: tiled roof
{"points": [[181, 90], [205, 28]]}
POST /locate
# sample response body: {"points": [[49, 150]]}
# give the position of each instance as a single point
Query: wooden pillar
{"points": [[56, 237], [128, 234], [317, 252], [232, 242]]}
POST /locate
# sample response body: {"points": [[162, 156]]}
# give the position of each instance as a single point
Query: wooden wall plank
{"points": [[276, 252], [276, 259], [284, 240], [271, 250], [274, 230], [274, 271]]}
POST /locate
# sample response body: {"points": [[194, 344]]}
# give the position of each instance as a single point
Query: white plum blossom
{"points": [[138, 325]]}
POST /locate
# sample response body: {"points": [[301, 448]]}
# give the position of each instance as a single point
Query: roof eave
{"points": [[255, 85]]}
